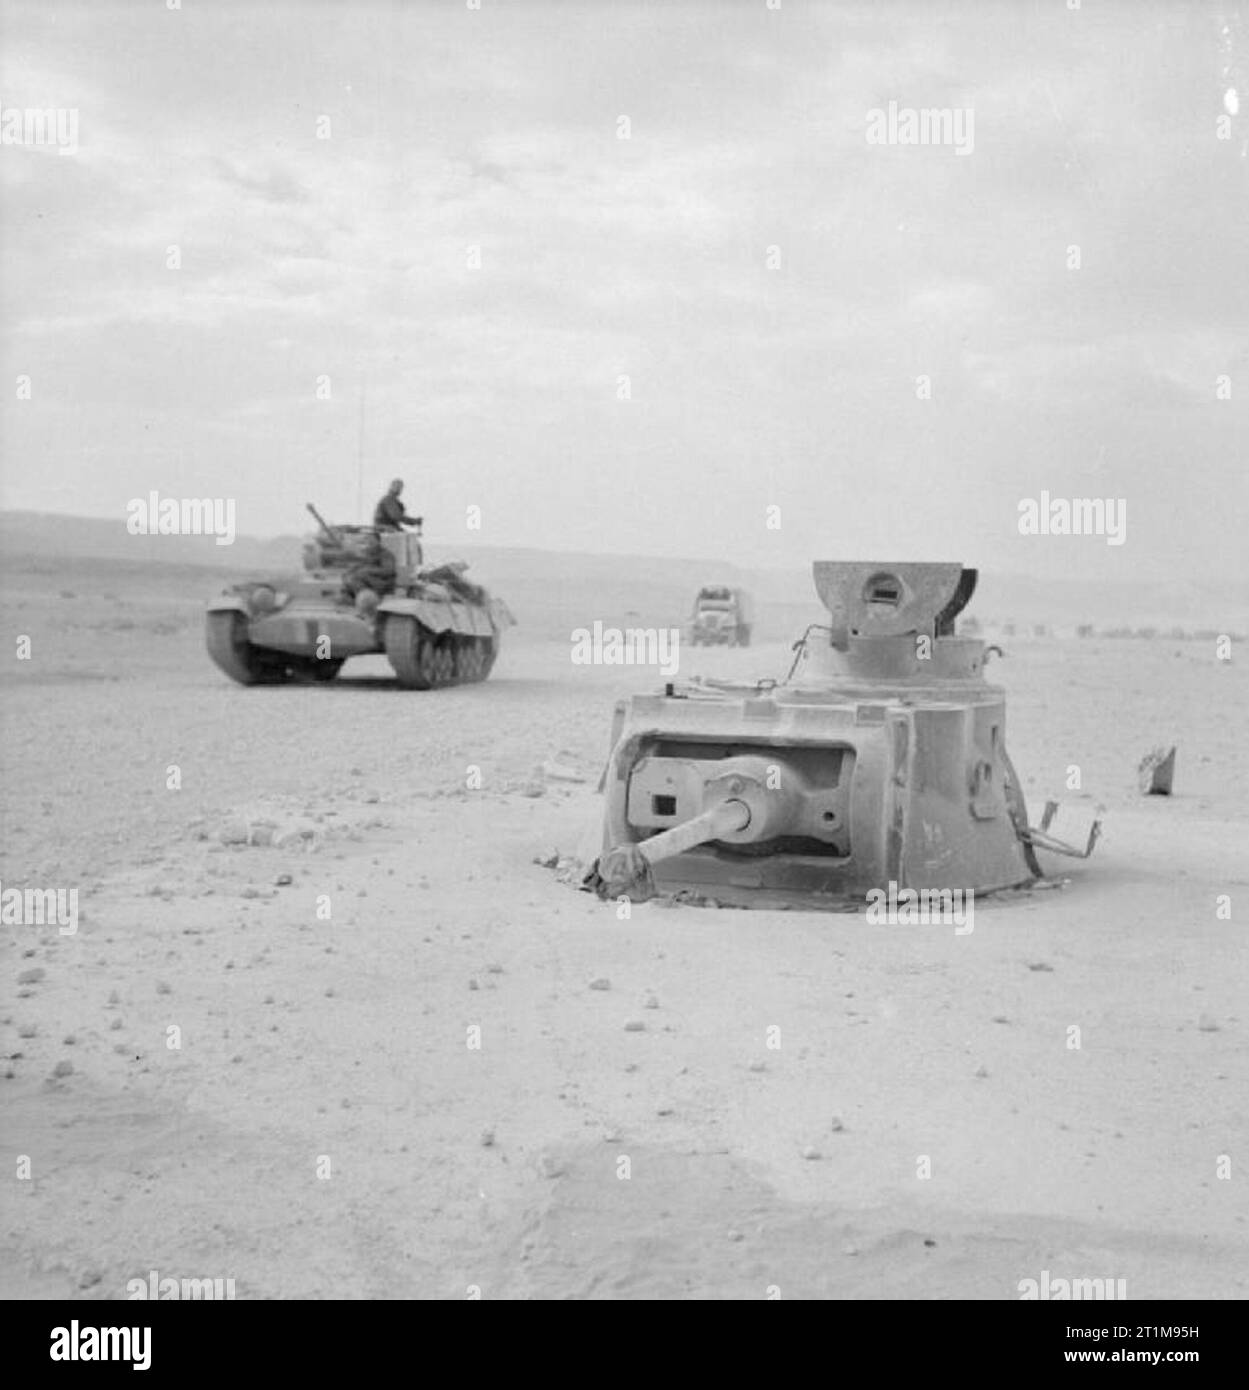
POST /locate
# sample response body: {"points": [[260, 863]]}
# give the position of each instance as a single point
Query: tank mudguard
{"points": [[441, 615]]}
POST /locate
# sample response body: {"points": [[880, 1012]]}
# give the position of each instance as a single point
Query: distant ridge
{"points": [[648, 585]]}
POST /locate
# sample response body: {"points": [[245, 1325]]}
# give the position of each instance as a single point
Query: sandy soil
{"points": [[499, 1168]]}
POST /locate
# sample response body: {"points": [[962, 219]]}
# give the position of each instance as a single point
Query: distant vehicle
{"points": [[723, 616], [436, 627]]}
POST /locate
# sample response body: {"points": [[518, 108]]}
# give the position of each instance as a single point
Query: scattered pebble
{"points": [[27, 1030], [837, 1124], [1207, 1024], [1000, 1018], [487, 1139], [635, 1025], [69, 1040], [472, 984], [115, 1026], [494, 969], [283, 880], [548, 859], [1040, 965], [849, 1249], [758, 1066], [651, 1002], [981, 1071], [63, 1068], [163, 987], [32, 976], [735, 1235], [602, 982], [89, 1278]]}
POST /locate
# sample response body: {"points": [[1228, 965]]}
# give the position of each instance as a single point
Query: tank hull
{"points": [[435, 632]]}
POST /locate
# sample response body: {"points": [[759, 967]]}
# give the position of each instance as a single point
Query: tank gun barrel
{"points": [[330, 533]]}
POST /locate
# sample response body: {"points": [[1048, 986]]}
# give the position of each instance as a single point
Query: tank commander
{"points": [[390, 513], [376, 570]]}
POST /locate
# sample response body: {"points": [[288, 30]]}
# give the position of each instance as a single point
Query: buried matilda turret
{"points": [[880, 759], [435, 627]]}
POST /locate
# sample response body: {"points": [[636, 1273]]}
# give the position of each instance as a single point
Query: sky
{"points": [[631, 277]]}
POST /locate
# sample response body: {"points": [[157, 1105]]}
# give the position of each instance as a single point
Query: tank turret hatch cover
{"points": [[871, 599]]}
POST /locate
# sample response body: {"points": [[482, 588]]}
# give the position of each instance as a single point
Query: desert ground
{"points": [[324, 1129]]}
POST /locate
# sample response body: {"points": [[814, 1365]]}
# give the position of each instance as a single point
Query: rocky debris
{"points": [[548, 859], [1040, 965], [1157, 771], [1207, 1024], [63, 1068], [560, 772], [837, 1124], [602, 982], [487, 1139], [651, 1002], [635, 1025], [811, 1153], [32, 976]]}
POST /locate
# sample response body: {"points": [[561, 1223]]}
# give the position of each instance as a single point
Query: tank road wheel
{"points": [[410, 652], [234, 654], [444, 660], [468, 660]]}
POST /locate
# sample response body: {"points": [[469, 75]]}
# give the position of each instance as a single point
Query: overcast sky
{"points": [[790, 384]]}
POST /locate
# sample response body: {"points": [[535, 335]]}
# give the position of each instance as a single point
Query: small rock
{"points": [[27, 1030], [532, 789], [472, 984], [283, 880], [233, 833], [487, 1139], [1207, 1024], [494, 969], [981, 1071], [665, 1110], [837, 1124], [163, 987], [89, 1278], [811, 1153], [32, 976], [735, 1235], [758, 1065], [1040, 965], [612, 1137], [63, 1068], [114, 999], [548, 859], [602, 982], [651, 1002], [250, 893], [69, 1040], [1000, 1018], [560, 772], [849, 1249], [115, 1026], [635, 1025], [551, 1167]]}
